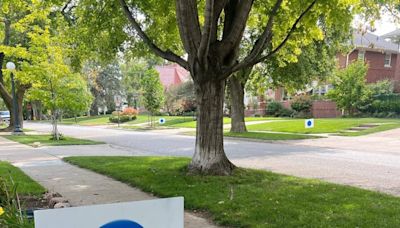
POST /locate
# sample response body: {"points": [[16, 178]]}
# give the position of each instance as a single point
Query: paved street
{"points": [[355, 161]]}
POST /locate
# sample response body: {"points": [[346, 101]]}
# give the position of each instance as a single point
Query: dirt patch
{"points": [[33, 202]]}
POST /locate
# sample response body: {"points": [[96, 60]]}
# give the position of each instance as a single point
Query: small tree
{"points": [[350, 87], [56, 85], [153, 92]]}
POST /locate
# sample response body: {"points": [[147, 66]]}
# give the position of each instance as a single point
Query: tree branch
{"points": [[168, 55], [219, 5], [7, 32], [189, 27], [266, 36], [237, 13], [244, 64], [208, 28]]}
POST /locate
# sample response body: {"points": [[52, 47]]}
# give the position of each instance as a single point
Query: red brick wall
{"points": [[377, 70], [320, 109], [325, 109]]}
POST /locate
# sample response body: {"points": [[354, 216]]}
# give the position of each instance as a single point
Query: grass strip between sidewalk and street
{"points": [[25, 185], [383, 127], [268, 136], [45, 140], [252, 198]]}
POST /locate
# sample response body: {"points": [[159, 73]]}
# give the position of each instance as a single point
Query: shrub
{"points": [[274, 108], [122, 119], [126, 115], [130, 112], [284, 112], [301, 104], [385, 103]]}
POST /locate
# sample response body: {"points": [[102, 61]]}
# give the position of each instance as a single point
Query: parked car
{"points": [[4, 116]]}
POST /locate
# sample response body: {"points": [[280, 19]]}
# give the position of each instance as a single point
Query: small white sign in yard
{"points": [[159, 213], [309, 123], [118, 100], [162, 121]]}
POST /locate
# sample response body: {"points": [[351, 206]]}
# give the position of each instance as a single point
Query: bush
{"points": [[122, 119], [385, 104], [284, 112], [274, 108], [301, 104], [130, 112]]}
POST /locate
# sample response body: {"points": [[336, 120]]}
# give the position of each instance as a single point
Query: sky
{"points": [[385, 25]]}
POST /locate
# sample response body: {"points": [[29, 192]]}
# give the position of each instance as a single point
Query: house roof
{"points": [[172, 74], [370, 41], [393, 34]]}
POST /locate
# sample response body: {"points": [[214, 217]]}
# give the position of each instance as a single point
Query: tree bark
{"points": [[20, 98], [238, 124], [209, 156]]}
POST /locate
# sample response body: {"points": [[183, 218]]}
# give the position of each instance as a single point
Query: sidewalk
{"points": [[79, 186]]}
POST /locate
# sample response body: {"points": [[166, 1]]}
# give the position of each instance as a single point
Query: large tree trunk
{"points": [[9, 104], [209, 156], [236, 87]]}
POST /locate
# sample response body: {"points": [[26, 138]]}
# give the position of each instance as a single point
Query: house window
{"points": [[361, 55], [388, 60]]}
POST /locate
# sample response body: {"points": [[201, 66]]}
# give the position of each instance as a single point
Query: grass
{"points": [[47, 141], [252, 198], [383, 127], [321, 125], [171, 121], [227, 120], [25, 185], [269, 136], [88, 121]]}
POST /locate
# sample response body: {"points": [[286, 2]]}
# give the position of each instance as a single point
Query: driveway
{"points": [[371, 162]]}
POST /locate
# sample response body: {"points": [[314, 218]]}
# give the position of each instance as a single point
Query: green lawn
{"points": [[383, 127], [25, 185], [227, 120], [171, 121], [268, 136], [88, 121], [252, 198], [46, 140], [104, 120], [321, 125]]}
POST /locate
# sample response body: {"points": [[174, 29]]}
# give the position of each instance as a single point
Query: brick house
{"points": [[382, 56], [382, 53]]}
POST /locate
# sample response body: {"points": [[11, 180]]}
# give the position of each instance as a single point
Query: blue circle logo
{"points": [[309, 123], [161, 121], [122, 224]]}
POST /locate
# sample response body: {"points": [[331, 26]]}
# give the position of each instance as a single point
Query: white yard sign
{"points": [[118, 100], [159, 213], [309, 123]]}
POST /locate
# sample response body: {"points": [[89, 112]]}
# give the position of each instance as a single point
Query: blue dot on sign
{"points": [[161, 120], [122, 224], [309, 123]]}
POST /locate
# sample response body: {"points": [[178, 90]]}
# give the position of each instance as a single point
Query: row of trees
{"points": [[34, 37]]}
